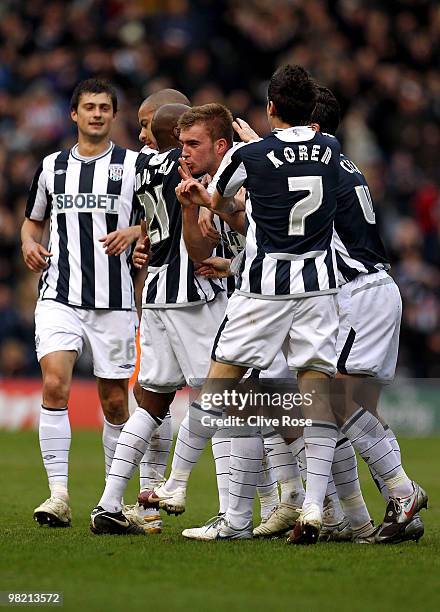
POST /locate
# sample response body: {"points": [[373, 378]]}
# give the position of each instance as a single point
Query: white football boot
{"points": [[307, 527], [282, 518], [334, 528], [159, 497], [54, 512], [414, 530], [208, 531], [399, 512], [365, 534], [218, 528], [149, 518]]}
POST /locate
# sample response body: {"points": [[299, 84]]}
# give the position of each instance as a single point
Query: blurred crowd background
{"points": [[380, 58]]}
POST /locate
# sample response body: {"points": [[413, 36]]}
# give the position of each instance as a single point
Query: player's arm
{"points": [[198, 244], [226, 190], [192, 193], [237, 219], [140, 259], [34, 253], [230, 180], [215, 267], [118, 241], [220, 267], [223, 206], [244, 130], [141, 251], [115, 243], [206, 223], [37, 212]]}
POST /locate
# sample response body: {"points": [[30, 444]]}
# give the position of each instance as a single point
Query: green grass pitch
{"points": [[166, 572]]}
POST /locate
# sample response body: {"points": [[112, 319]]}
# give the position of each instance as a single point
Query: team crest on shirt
{"points": [[115, 172]]}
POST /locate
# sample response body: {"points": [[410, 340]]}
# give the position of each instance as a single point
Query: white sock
{"points": [[299, 454], [380, 483], [320, 440], [345, 474], [221, 450], [332, 497], [394, 443], [110, 437], [296, 447], [55, 437], [132, 443], [369, 439], [244, 468], [285, 469], [290, 491], [154, 463], [192, 438], [267, 489]]}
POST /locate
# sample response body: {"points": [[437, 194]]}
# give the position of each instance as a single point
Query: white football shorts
{"points": [[176, 344], [110, 334], [254, 330], [370, 310], [277, 369]]}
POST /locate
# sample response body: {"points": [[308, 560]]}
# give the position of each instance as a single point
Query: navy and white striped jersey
{"points": [[171, 281], [291, 179], [86, 199], [359, 248], [231, 242]]}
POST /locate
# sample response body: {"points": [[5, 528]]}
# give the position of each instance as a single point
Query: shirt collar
{"points": [[74, 153], [298, 133]]}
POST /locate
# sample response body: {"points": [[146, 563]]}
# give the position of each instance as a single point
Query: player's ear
{"points": [[221, 146], [176, 133], [74, 114], [271, 110], [315, 126]]}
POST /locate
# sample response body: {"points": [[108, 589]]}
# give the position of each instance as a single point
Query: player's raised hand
{"points": [[115, 243], [244, 130], [194, 190], [206, 179], [206, 224], [184, 198], [240, 199], [183, 169], [142, 249], [34, 255], [214, 267]]}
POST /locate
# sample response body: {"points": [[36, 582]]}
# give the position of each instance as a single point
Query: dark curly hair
{"points": [[95, 86], [293, 93], [327, 111]]}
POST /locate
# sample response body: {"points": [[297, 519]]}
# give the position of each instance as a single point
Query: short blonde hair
{"points": [[216, 117]]}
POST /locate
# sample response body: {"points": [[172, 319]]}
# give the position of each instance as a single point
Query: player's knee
{"points": [[115, 408], [137, 392], [156, 404], [55, 390]]}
